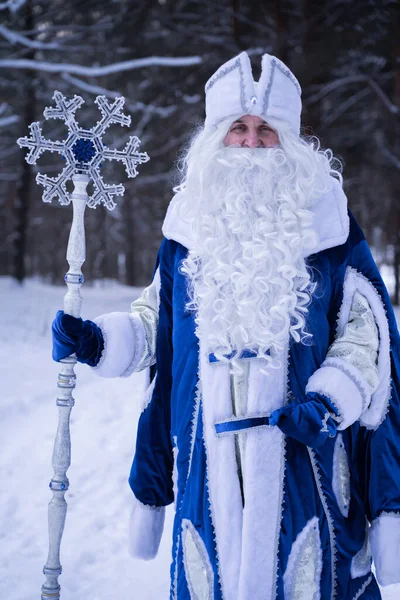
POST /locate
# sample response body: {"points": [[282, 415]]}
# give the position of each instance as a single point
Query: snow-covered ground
{"points": [[94, 551]]}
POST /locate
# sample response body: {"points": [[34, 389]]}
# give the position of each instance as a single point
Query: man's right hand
{"points": [[75, 335]]}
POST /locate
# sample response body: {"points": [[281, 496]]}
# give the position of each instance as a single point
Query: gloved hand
{"points": [[309, 420], [74, 335]]}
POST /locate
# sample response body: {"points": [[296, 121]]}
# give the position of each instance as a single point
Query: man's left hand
{"points": [[310, 420]]}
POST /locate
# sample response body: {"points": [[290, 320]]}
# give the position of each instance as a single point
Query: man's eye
{"points": [[238, 128]]}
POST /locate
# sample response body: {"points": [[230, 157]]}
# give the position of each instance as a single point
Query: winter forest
{"points": [[159, 54]]}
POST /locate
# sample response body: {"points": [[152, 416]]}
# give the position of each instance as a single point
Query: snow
{"points": [[94, 552]]}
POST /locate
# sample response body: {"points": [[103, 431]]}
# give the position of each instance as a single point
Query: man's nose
{"points": [[252, 140]]}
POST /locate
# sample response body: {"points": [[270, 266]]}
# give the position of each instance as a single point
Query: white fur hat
{"points": [[232, 92]]}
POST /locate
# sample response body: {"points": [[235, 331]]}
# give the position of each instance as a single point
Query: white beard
{"points": [[248, 281]]}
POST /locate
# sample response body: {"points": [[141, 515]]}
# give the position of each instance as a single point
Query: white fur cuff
{"points": [[146, 525], [341, 388], [123, 344], [385, 546]]}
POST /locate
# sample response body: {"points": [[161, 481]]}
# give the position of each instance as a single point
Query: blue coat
{"points": [[311, 518]]}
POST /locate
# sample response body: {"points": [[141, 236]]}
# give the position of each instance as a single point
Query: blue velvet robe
{"points": [[326, 499]]}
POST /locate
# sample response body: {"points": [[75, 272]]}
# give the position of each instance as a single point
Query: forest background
{"points": [[158, 54]]}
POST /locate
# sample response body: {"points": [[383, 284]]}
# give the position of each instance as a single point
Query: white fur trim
{"points": [[263, 483], [146, 525], [247, 548], [222, 480], [385, 546], [375, 413], [302, 578], [123, 344], [330, 221], [341, 389]]}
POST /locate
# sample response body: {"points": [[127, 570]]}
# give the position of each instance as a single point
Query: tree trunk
{"points": [[24, 190], [395, 143]]}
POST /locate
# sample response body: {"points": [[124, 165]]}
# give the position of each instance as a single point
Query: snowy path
{"points": [[94, 554]]}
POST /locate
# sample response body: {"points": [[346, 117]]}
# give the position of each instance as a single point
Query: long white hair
{"points": [[251, 218]]}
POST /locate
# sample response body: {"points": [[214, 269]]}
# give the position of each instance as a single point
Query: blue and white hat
{"points": [[232, 92]]}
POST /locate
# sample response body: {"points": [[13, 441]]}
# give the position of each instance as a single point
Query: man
{"points": [[272, 415]]}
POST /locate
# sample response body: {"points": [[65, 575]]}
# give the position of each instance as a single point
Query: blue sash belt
{"points": [[239, 424], [245, 354]]}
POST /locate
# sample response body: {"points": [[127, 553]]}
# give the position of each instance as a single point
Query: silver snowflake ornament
{"points": [[83, 150]]}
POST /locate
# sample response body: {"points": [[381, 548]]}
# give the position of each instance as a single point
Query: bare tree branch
{"points": [[162, 111], [12, 5], [338, 83], [342, 108], [17, 38], [127, 65], [395, 160], [6, 121]]}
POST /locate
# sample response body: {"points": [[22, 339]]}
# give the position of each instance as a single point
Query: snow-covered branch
{"points": [[12, 5], [343, 81], [17, 38], [5, 121], [126, 65], [162, 111], [339, 110], [145, 180]]}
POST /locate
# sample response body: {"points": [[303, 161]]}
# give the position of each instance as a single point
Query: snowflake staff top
{"points": [[83, 150]]}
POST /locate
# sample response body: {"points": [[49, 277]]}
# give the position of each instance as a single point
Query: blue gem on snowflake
{"points": [[83, 150]]}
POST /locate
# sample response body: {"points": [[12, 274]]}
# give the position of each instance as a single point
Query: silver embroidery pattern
{"points": [[376, 413], [175, 452], [358, 343], [324, 428], [198, 570], [281, 480], [146, 308], [341, 476], [195, 418], [210, 506], [361, 562], [277, 64], [303, 573], [269, 87], [288, 73], [223, 72], [363, 588], [332, 536]]}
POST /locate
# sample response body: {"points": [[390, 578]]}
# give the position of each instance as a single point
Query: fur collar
{"points": [[330, 219]]}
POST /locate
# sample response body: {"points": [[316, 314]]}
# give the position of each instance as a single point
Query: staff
{"points": [[84, 153]]}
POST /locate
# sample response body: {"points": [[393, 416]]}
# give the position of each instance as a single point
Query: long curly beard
{"points": [[248, 282]]}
